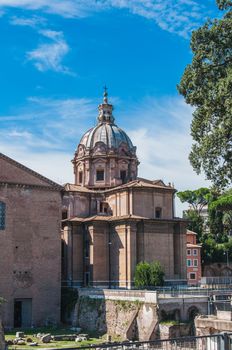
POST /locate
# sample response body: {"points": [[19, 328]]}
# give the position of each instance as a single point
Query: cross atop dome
{"points": [[105, 99], [105, 110]]}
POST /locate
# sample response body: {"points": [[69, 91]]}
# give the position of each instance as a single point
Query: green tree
{"points": [[142, 275], [195, 222], [148, 275], [197, 199], [222, 207], [207, 84], [157, 274]]}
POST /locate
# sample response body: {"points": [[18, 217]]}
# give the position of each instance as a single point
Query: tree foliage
{"points": [[214, 235], [197, 199], [148, 275], [195, 223], [207, 84], [222, 207], [223, 202], [157, 274]]}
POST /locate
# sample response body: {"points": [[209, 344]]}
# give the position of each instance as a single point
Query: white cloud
{"points": [[33, 21], [72, 109], [160, 130], [163, 143], [49, 124], [175, 16], [49, 56]]}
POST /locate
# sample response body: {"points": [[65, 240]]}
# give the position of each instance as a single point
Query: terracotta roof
{"points": [[190, 245], [138, 183], [191, 233], [76, 188], [105, 218], [115, 218]]}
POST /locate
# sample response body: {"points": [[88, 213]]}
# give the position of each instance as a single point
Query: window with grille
{"points": [[2, 215]]}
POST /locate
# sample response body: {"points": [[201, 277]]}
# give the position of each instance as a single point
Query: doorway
{"points": [[22, 313]]}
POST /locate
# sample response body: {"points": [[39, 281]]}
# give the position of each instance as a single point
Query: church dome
{"points": [[105, 156], [110, 134], [106, 131]]}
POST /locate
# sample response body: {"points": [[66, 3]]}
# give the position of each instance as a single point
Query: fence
{"points": [[210, 342], [216, 281], [182, 292]]}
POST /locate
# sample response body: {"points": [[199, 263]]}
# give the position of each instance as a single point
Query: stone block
{"points": [[46, 338], [20, 335]]}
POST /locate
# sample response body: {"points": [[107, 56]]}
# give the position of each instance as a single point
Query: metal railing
{"points": [[181, 292], [210, 342]]}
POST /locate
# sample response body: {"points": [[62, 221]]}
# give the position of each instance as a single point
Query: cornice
{"points": [[30, 186]]}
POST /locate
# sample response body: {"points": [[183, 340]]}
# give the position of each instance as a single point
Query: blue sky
{"points": [[56, 58]]}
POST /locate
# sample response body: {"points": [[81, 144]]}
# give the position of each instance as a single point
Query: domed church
{"points": [[112, 219]]}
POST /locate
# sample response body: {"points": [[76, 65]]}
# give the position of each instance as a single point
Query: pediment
{"points": [[99, 160], [159, 183], [13, 172]]}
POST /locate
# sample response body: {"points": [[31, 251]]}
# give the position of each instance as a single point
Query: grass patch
{"points": [[31, 333], [172, 323]]}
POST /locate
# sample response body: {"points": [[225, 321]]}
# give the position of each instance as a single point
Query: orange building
{"points": [[193, 255]]}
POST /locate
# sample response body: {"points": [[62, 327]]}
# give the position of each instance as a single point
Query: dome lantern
{"points": [[105, 110]]}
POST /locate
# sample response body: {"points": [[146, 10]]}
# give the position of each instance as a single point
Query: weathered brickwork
{"points": [[30, 258]]}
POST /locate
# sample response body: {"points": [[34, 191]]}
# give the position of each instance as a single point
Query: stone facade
{"points": [[30, 256], [113, 219]]}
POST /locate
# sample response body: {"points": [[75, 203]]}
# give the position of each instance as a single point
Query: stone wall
{"points": [[212, 325], [126, 319], [217, 270], [120, 294], [167, 331], [136, 314]]}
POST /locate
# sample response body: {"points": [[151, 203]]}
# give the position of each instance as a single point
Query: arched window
{"points": [[2, 215]]}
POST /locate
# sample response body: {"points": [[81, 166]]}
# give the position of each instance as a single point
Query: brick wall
{"points": [[30, 256]]}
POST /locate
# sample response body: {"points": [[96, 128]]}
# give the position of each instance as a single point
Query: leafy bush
{"points": [[149, 275]]}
